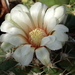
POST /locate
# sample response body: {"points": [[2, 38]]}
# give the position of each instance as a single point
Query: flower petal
{"points": [[59, 11], [15, 30], [11, 29], [49, 14], [37, 16], [61, 28], [5, 37], [44, 41], [27, 53], [60, 36], [5, 26], [41, 15], [17, 54], [6, 46], [54, 45], [64, 19], [48, 39], [8, 18], [43, 55], [52, 23], [22, 19], [21, 7], [17, 40], [61, 19]]}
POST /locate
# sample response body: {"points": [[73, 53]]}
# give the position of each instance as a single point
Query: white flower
{"points": [[36, 30]]}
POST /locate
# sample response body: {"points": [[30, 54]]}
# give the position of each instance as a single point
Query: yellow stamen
{"points": [[36, 37]]}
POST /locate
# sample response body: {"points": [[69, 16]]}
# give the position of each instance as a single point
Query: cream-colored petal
{"points": [[54, 45], [61, 19], [6, 46], [17, 54], [11, 29], [61, 28], [7, 17], [6, 25], [5, 38], [16, 8], [59, 11], [22, 19], [15, 30], [17, 40], [46, 40], [43, 55], [49, 14], [35, 11], [52, 23], [27, 53], [60, 36], [41, 15], [21, 7]]}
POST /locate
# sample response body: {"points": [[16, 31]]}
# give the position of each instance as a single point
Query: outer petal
{"points": [[15, 30], [21, 7], [44, 41], [59, 11], [9, 24], [22, 19], [48, 39], [6, 46], [4, 37], [38, 16], [49, 14], [17, 54], [64, 19], [41, 16], [61, 28], [60, 36], [52, 23], [61, 19], [8, 18], [43, 55], [15, 40], [5, 26], [11, 29], [54, 45], [27, 53], [35, 12]]}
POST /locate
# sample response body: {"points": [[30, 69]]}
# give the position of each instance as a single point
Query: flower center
{"points": [[36, 36]]}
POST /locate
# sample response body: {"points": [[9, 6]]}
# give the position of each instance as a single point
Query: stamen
{"points": [[36, 36]]}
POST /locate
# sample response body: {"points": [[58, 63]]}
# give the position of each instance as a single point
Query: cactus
{"points": [[62, 61]]}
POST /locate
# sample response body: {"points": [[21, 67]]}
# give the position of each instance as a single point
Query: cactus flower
{"points": [[35, 30]]}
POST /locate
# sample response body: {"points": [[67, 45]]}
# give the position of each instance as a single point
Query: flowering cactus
{"points": [[36, 30]]}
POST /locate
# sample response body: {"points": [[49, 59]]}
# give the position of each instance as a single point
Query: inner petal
{"points": [[35, 36]]}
